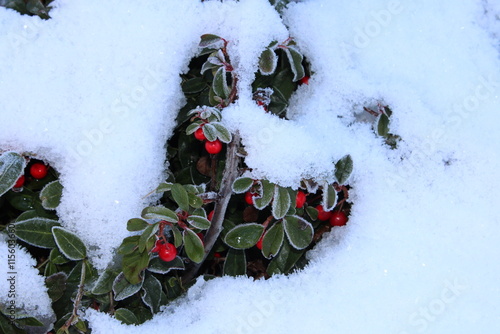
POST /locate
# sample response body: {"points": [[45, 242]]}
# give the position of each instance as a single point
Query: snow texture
{"points": [[420, 252]]}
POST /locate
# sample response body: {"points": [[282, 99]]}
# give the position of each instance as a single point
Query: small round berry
{"points": [[158, 246], [38, 170], [198, 134], [20, 182], [210, 215], [259, 243], [213, 147], [322, 214], [249, 197], [304, 80], [217, 255], [300, 199], [338, 218], [168, 252]]}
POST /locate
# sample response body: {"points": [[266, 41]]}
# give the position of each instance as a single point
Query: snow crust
{"points": [[420, 252]]}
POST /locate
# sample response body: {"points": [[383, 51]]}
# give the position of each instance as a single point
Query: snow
{"points": [[420, 252]]}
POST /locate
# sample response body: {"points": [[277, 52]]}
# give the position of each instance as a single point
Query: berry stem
{"points": [[221, 203]]}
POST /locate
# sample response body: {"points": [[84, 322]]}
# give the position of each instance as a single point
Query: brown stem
{"points": [[225, 192], [74, 316]]}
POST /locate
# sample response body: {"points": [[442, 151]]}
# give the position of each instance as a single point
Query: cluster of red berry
{"points": [[212, 147], [38, 171], [166, 251]]}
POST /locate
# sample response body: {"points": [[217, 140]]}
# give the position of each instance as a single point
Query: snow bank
{"points": [[420, 251]]}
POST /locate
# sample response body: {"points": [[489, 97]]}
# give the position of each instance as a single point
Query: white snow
{"points": [[420, 252]]}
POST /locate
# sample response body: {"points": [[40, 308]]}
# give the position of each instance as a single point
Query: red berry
{"points": [[300, 199], [210, 215], [217, 255], [213, 147], [338, 218], [249, 197], [19, 182], [38, 170], [158, 246], [198, 134], [322, 214], [168, 252], [304, 80], [259, 243]]}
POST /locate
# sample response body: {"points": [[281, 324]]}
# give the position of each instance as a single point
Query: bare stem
{"points": [[74, 316], [225, 192]]}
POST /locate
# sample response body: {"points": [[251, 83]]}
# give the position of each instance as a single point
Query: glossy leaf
{"points": [[136, 224], [329, 197], [244, 236], [180, 196], [57, 257], [128, 245], [281, 202], [105, 281], [12, 166], [193, 246], [51, 195], [268, 61], [37, 232], [235, 263], [199, 222], [177, 236], [242, 184], [295, 59], [69, 244], [383, 125], [159, 212], [151, 295], [267, 189], [195, 201], [194, 85], [133, 264], [56, 285], [126, 316], [343, 169], [272, 241], [156, 265], [299, 231]]}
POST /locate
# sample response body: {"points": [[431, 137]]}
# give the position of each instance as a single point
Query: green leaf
{"points": [[57, 257], [222, 133], [156, 265], [199, 222], [191, 128], [56, 285], [12, 166], [151, 293], [126, 316], [7, 327], [159, 212], [69, 244], [268, 61], [136, 224], [195, 201], [295, 59], [285, 260], [164, 186], [329, 197], [272, 241], [122, 288], [299, 231], [51, 195], [148, 233], [281, 202], [383, 125], [343, 169], [128, 245], [312, 212], [219, 84], [28, 321], [194, 85], [244, 236], [242, 184], [104, 283], [37, 232], [193, 246], [210, 132], [180, 196], [236, 263], [267, 189], [211, 41], [133, 264], [177, 236]]}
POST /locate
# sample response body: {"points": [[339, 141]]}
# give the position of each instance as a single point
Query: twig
{"points": [[74, 316], [230, 174]]}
